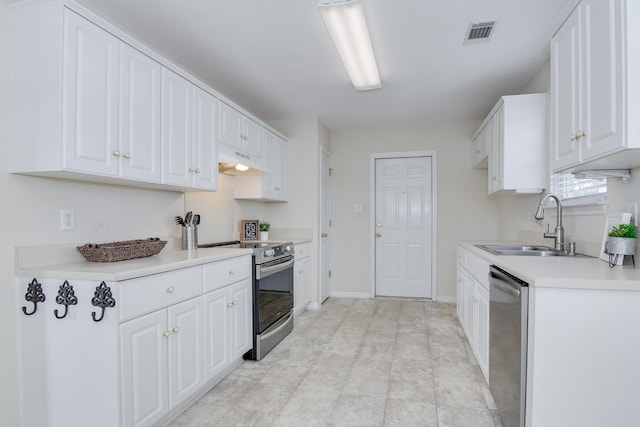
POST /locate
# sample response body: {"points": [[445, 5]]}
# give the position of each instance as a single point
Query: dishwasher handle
{"points": [[506, 288], [505, 282]]}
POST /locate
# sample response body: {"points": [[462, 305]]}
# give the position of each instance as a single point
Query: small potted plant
{"points": [[622, 241], [264, 230]]}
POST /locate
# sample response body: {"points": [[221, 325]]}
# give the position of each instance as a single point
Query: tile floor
{"points": [[357, 363]]}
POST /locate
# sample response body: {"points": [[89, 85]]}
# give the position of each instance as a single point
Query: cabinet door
{"points": [[186, 367], [205, 147], [230, 126], [143, 347], [566, 105], [269, 159], [216, 333], [482, 337], [140, 116], [469, 308], [602, 77], [241, 315], [496, 158], [252, 136], [90, 135], [282, 169], [460, 294], [177, 125], [301, 282]]}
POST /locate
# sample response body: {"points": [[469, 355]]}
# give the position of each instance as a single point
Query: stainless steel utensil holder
{"points": [[189, 237]]}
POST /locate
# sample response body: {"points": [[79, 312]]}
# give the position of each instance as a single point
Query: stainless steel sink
{"points": [[526, 250]]}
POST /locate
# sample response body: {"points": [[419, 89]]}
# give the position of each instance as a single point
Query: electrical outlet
{"points": [[67, 219]]}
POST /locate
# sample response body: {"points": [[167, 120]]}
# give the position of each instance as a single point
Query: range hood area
{"points": [[233, 166]]}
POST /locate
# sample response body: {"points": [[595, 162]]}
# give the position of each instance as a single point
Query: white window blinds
{"points": [[574, 191]]}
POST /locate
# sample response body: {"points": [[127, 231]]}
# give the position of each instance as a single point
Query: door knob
{"points": [[378, 235]]}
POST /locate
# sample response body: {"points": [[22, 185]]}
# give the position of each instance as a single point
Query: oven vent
{"points": [[479, 32]]}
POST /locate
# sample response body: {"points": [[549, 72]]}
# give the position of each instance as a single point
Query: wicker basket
{"points": [[120, 251]]}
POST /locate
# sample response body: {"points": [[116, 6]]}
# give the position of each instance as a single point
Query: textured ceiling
{"points": [[276, 59]]}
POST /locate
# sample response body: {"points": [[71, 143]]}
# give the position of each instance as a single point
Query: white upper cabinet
{"points": [[94, 104], [515, 136], [594, 87], [272, 186], [90, 132], [140, 115], [239, 136], [189, 148]]}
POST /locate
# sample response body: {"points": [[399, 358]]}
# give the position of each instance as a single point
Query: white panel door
{"points": [[186, 366], [216, 333], [140, 113], [241, 315], [144, 369], [404, 215], [325, 225], [565, 92], [91, 97], [602, 82], [177, 127], [205, 145]]}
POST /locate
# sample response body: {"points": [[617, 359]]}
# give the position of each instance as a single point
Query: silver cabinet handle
{"points": [[175, 330], [170, 290], [116, 153], [126, 155], [166, 334]]}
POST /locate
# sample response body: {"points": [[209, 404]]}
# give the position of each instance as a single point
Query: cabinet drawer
{"points": [[302, 250], [479, 269], [223, 273], [150, 293]]}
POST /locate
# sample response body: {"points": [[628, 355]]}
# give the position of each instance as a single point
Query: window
{"points": [[575, 192]]}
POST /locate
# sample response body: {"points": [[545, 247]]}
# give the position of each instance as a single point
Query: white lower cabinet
{"points": [[473, 305], [161, 361], [167, 338], [302, 277], [227, 320]]}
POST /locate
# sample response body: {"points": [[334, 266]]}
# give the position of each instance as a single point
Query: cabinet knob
{"points": [[197, 170], [126, 155], [170, 290], [191, 170], [378, 235], [234, 302], [166, 334], [116, 153], [324, 235], [232, 272], [230, 304], [175, 330]]}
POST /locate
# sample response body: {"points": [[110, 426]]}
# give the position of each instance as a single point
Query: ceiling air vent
{"points": [[479, 32]]}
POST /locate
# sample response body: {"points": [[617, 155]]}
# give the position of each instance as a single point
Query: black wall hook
{"points": [[66, 296], [103, 298], [35, 295]]}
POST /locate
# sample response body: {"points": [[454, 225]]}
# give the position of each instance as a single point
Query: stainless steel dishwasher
{"points": [[508, 321]]}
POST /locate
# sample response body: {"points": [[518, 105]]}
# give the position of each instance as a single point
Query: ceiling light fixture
{"points": [[348, 29]]}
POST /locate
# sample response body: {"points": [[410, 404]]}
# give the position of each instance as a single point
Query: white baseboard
{"points": [[447, 299], [340, 294], [313, 306]]}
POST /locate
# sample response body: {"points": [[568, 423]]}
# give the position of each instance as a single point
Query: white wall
{"points": [[465, 212]]}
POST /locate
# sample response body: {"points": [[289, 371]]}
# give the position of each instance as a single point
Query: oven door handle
{"points": [[282, 325], [262, 272]]}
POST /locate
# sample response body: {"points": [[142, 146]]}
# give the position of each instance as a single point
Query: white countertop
{"points": [[62, 263], [562, 272]]}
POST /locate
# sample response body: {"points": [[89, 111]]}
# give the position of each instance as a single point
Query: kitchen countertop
{"points": [[562, 272], [64, 262]]}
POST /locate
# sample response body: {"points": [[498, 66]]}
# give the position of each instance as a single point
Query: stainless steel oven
{"points": [[272, 293], [273, 304]]}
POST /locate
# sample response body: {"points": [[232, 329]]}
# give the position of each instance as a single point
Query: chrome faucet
{"points": [[559, 233]]}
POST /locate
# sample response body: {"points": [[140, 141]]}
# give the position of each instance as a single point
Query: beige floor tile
{"points": [[408, 413], [357, 363]]}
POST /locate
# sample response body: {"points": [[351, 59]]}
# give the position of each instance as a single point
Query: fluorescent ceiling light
{"points": [[348, 29]]}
